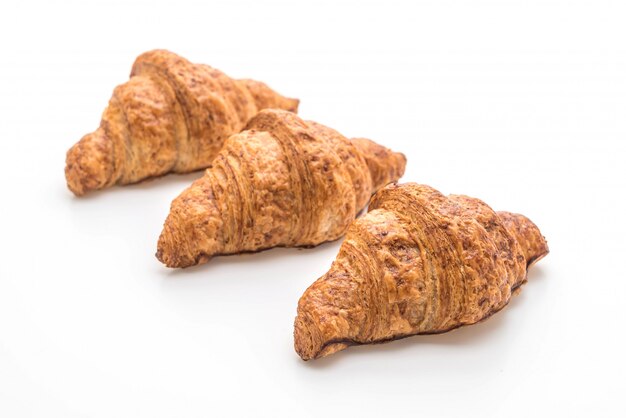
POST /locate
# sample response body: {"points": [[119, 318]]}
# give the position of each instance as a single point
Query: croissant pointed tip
{"points": [[309, 346], [314, 339], [169, 253], [384, 164], [173, 261], [402, 158], [306, 339], [534, 245], [73, 185], [293, 105], [88, 164], [266, 98], [182, 243], [399, 164], [170, 260]]}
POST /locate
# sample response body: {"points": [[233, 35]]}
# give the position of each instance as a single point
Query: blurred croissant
{"points": [[282, 182], [172, 116], [417, 263]]}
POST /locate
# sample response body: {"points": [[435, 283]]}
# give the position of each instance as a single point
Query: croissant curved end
{"points": [[384, 164], [291, 104], [84, 164], [310, 342], [534, 245], [189, 237], [266, 98], [307, 339], [172, 249]]}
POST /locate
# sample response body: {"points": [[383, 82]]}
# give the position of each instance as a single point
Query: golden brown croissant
{"points": [[171, 116], [417, 263], [281, 182]]}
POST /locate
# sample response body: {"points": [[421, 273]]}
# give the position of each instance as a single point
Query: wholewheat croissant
{"points": [[417, 263], [171, 116], [281, 182]]}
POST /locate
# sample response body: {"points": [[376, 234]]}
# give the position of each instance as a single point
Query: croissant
{"points": [[172, 116], [417, 263], [281, 182]]}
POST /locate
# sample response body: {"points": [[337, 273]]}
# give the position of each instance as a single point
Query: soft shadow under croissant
{"points": [[172, 116], [281, 182], [417, 263]]}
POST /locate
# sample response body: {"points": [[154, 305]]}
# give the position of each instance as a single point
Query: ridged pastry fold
{"points": [[418, 262], [171, 116], [281, 182]]}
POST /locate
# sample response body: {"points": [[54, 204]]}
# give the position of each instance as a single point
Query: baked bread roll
{"points": [[282, 182], [417, 263], [172, 116]]}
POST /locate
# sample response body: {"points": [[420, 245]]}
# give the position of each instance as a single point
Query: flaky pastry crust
{"points": [[281, 182], [172, 116], [417, 263]]}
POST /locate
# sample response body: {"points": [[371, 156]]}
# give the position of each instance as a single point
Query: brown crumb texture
{"points": [[418, 262], [282, 182], [171, 116]]}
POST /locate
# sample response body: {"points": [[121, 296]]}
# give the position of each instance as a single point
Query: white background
{"points": [[520, 103]]}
